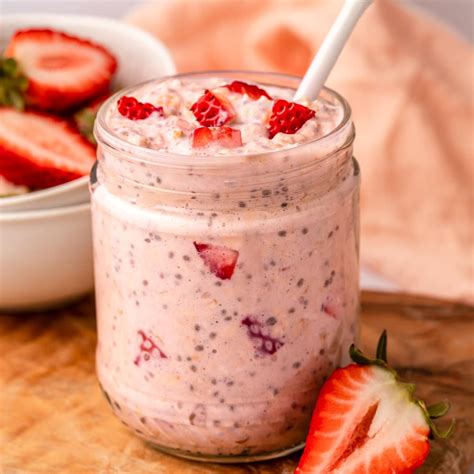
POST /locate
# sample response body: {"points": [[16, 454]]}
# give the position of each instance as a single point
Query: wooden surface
{"points": [[53, 418]]}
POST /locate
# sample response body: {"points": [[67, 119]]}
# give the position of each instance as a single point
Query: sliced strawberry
{"points": [[63, 70], [265, 343], [220, 260], [39, 151], [135, 110], [253, 91], [288, 117], [225, 136], [148, 349], [211, 110], [366, 421]]}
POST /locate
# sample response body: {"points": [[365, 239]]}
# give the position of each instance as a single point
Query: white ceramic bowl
{"points": [[140, 57], [45, 257], [46, 253]]}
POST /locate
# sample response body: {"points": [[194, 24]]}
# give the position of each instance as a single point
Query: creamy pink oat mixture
{"points": [[204, 364], [172, 132]]}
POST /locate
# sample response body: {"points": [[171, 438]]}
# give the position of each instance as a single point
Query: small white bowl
{"points": [[67, 194], [46, 253], [45, 257], [140, 57]]}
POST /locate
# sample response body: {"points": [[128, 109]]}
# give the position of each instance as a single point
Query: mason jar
{"points": [[224, 369]]}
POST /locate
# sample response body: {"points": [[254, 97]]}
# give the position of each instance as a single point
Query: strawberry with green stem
{"points": [[367, 421], [13, 84]]}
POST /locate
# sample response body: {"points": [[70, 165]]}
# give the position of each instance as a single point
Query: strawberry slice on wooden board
{"points": [[212, 110], [63, 71], [219, 259], [367, 421], [253, 91], [39, 150], [288, 117]]}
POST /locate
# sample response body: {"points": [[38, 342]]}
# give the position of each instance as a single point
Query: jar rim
{"points": [[104, 134]]}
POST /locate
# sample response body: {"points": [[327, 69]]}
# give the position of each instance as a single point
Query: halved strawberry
{"points": [[63, 70], [288, 117], [253, 91], [220, 260], [367, 421], [226, 136], [212, 110], [39, 151]]}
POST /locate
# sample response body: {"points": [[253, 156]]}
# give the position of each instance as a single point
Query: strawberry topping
{"points": [[134, 110], [225, 136], [63, 71], [212, 111], [253, 91], [220, 260], [258, 332], [39, 150], [288, 117], [148, 349]]}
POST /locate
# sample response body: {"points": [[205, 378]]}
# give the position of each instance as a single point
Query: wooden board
{"points": [[54, 419]]}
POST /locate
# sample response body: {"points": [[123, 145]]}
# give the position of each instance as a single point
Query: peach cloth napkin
{"points": [[410, 83]]}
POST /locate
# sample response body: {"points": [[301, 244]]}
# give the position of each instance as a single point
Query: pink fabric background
{"points": [[410, 83]]}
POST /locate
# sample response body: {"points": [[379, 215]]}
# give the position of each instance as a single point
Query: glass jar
{"points": [[224, 369]]}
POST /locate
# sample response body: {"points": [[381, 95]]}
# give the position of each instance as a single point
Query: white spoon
{"points": [[326, 57]]}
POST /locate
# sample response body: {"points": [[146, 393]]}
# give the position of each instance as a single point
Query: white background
{"points": [[457, 13]]}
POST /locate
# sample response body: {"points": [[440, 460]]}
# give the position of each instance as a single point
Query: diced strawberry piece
{"points": [[202, 136], [148, 349], [329, 310], [63, 70], [258, 332], [288, 117], [220, 260], [366, 421], [229, 137], [39, 151], [225, 136], [212, 111], [134, 110], [253, 91]]}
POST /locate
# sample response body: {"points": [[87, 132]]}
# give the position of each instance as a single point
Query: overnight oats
{"points": [[225, 223]]}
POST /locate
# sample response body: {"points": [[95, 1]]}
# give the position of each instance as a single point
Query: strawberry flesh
{"points": [[227, 137], [364, 421], [39, 150], [202, 136], [253, 91], [148, 349], [134, 110], [212, 111], [219, 259], [260, 334], [288, 117], [63, 71], [367, 421]]}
